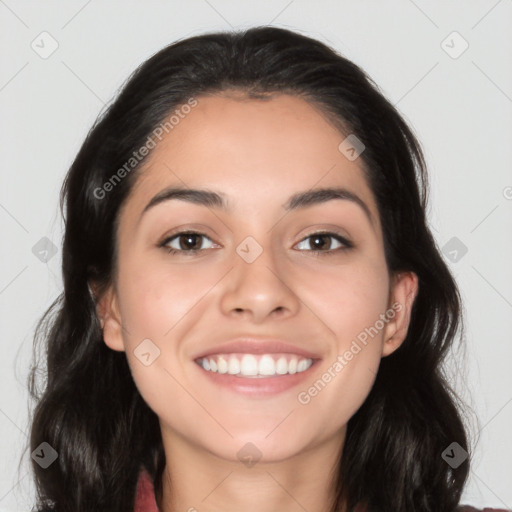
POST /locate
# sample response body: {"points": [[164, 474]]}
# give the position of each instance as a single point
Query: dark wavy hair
{"points": [[87, 406]]}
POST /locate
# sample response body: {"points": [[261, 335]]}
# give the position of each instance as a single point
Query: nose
{"points": [[260, 289]]}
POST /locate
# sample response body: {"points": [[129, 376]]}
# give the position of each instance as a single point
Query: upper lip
{"points": [[252, 345]]}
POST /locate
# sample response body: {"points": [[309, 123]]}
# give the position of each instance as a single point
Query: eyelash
{"points": [[316, 252]]}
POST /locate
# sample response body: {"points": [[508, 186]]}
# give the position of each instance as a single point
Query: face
{"points": [[193, 276]]}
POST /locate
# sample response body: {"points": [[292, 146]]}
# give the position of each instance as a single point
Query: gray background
{"points": [[460, 107]]}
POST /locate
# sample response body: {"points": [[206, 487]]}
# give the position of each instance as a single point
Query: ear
{"points": [[107, 309], [404, 289]]}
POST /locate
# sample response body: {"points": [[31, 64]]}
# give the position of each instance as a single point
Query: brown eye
{"points": [[322, 242], [190, 241], [185, 242]]}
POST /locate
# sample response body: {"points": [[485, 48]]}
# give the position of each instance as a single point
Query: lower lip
{"points": [[259, 386]]}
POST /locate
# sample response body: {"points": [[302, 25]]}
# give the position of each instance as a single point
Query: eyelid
{"points": [[180, 230]]}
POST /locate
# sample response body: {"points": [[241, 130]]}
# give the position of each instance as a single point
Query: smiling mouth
{"points": [[253, 366]]}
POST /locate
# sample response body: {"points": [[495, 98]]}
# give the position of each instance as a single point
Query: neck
{"points": [[207, 483]]}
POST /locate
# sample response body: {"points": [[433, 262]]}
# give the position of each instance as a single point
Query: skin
{"points": [[258, 153]]}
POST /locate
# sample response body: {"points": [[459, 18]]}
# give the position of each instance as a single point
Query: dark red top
{"points": [[145, 499]]}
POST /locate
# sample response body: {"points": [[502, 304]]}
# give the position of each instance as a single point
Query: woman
{"points": [[208, 353]]}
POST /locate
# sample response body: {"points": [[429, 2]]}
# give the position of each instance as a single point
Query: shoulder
{"points": [[469, 508]]}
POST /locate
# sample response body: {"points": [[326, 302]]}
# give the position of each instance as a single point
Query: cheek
{"points": [[335, 395], [351, 314], [154, 305], [155, 300], [158, 305], [348, 300]]}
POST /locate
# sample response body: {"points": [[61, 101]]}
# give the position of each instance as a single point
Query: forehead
{"points": [[255, 151]]}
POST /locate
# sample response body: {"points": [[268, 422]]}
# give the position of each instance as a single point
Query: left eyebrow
{"points": [[218, 200], [322, 195]]}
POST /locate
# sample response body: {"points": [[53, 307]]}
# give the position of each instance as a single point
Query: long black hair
{"points": [[87, 407]]}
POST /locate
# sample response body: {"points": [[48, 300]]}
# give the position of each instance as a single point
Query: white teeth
{"points": [[303, 365], [222, 364], [233, 366], [249, 365], [267, 366], [281, 366]]}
